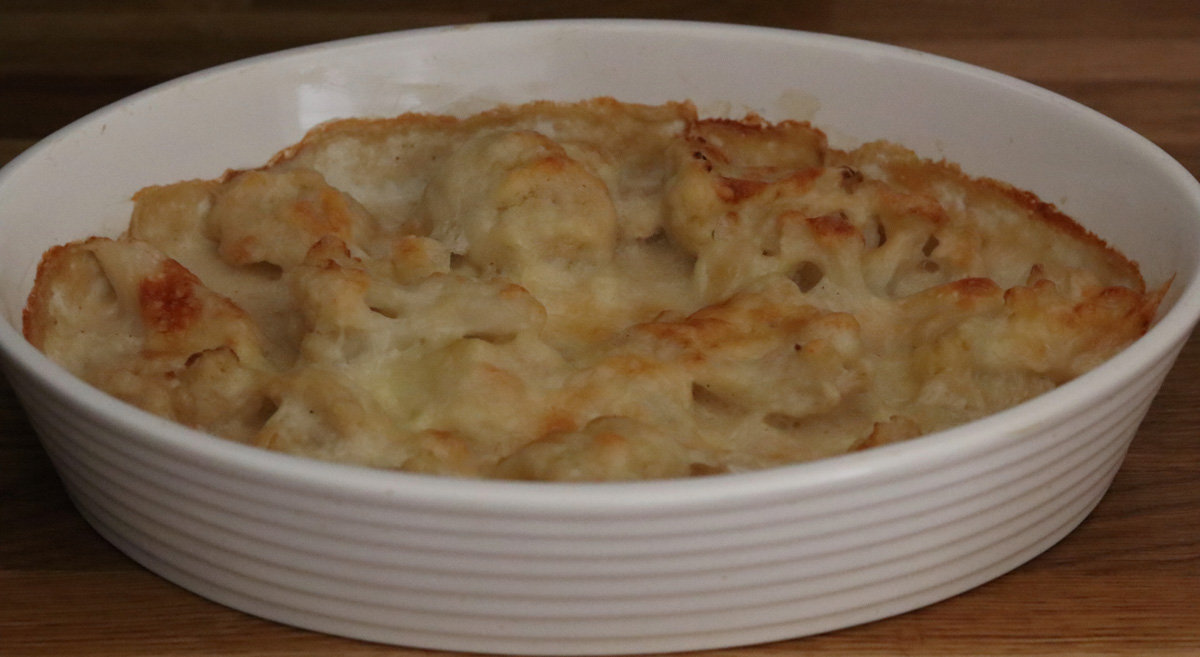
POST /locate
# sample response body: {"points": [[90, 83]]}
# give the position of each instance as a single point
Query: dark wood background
{"points": [[1127, 582]]}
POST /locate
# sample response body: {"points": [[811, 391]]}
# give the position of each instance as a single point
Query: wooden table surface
{"points": [[1127, 582]]}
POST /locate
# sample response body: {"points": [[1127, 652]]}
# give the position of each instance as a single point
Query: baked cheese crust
{"points": [[584, 292]]}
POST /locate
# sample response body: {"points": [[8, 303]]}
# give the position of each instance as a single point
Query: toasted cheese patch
{"points": [[591, 291]]}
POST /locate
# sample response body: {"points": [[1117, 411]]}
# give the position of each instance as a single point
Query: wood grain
{"points": [[1125, 583]]}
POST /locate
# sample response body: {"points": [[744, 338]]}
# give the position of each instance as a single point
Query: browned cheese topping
{"points": [[590, 291]]}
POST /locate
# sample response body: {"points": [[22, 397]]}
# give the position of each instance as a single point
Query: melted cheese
{"points": [[591, 291]]}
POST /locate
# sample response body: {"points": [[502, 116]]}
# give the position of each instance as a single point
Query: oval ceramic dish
{"points": [[510, 567]]}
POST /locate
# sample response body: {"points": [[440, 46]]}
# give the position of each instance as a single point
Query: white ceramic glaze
{"points": [[612, 568]]}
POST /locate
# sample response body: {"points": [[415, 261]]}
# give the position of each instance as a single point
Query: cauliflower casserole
{"points": [[584, 292]]}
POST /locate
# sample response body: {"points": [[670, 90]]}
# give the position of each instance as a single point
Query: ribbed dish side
{"points": [[483, 634]]}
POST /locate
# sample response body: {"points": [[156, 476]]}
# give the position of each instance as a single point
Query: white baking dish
{"points": [[598, 568]]}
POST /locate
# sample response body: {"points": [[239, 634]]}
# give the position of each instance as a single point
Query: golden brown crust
{"points": [[37, 315], [166, 299]]}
